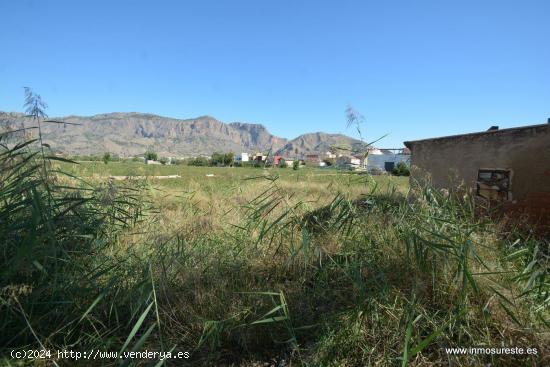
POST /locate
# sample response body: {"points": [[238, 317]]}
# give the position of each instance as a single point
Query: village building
{"points": [[259, 157], [312, 160], [330, 155], [510, 166], [277, 160], [243, 157], [385, 160], [348, 162]]}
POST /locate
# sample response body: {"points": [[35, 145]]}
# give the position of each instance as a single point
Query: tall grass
{"points": [[53, 240], [327, 280]]}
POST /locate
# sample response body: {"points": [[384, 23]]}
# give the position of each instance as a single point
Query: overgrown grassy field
{"points": [[226, 175], [236, 185], [255, 267]]}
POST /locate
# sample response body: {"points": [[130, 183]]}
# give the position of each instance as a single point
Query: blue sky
{"points": [[414, 69]]}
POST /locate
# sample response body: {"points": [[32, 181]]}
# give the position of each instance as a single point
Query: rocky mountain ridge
{"points": [[132, 133]]}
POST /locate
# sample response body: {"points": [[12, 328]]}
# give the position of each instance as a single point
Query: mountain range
{"points": [[131, 134]]}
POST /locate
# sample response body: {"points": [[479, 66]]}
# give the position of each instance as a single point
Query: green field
{"points": [[231, 185], [226, 175], [260, 267]]}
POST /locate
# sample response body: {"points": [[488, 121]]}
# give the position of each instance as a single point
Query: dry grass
{"points": [[311, 267]]}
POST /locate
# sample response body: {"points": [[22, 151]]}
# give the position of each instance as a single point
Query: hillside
{"points": [[318, 142], [129, 134]]}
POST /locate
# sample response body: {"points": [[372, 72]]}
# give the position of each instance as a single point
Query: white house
{"points": [[348, 162], [384, 160], [259, 157]]}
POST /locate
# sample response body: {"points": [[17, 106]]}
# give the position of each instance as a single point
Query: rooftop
{"points": [[494, 130]]}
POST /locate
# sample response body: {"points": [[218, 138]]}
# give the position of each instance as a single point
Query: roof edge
{"points": [[410, 143]]}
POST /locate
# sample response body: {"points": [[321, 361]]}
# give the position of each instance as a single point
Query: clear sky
{"points": [[414, 69]]}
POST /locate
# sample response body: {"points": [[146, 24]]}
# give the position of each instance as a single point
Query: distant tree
{"points": [[151, 156], [106, 157], [217, 159], [199, 161], [163, 160], [282, 163], [295, 165], [228, 158]]}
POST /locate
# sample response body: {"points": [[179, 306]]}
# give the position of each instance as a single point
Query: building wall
{"points": [[525, 151], [377, 161]]}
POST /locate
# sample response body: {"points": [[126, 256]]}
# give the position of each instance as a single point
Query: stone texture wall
{"points": [[524, 151]]}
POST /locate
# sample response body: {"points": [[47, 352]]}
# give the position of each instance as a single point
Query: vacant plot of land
{"points": [[226, 175], [225, 186], [251, 266]]}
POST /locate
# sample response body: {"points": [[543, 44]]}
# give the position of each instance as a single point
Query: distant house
{"points": [[259, 157], [509, 166], [384, 160], [312, 160], [277, 160], [150, 161], [348, 162], [243, 157], [330, 155]]}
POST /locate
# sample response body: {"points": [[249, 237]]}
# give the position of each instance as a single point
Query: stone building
{"points": [[511, 166]]}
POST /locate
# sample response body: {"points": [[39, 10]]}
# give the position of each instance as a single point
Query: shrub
{"points": [[228, 158], [283, 164], [151, 156], [106, 157], [198, 161], [329, 162], [217, 159], [163, 160], [295, 165], [222, 159], [401, 169]]}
